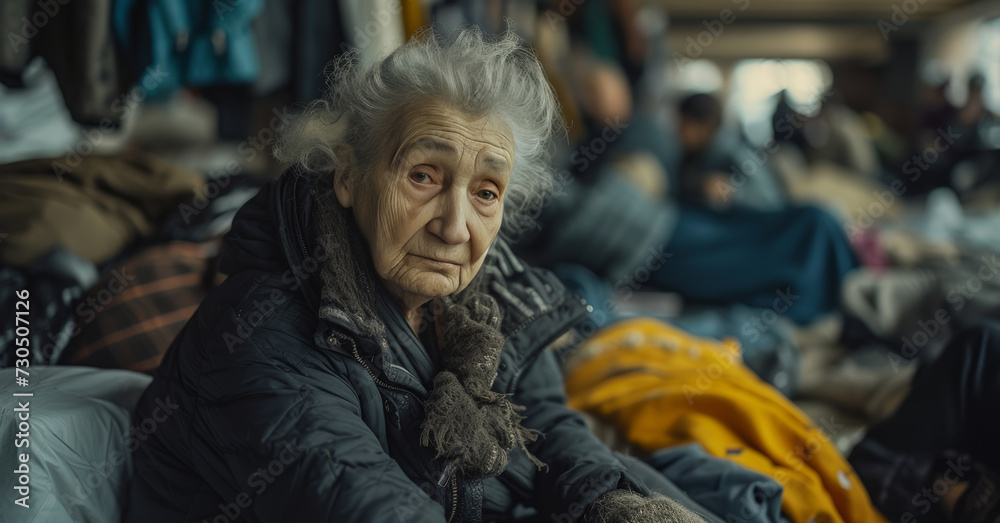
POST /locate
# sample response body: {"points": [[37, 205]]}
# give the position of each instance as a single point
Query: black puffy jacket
{"points": [[277, 415]]}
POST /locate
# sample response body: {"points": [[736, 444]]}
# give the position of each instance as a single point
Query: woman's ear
{"points": [[341, 185]]}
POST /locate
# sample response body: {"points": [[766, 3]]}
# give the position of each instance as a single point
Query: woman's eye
{"points": [[487, 195], [420, 177]]}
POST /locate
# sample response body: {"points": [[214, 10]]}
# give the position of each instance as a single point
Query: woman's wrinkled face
{"points": [[430, 219]]}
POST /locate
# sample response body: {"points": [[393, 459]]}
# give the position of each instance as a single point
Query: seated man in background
{"points": [[713, 167], [606, 223]]}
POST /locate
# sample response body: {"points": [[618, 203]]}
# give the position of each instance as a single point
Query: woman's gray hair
{"points": [[482, 76]]}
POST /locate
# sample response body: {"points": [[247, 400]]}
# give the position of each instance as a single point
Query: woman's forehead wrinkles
{"points": [[493, 149], [484, 128]]}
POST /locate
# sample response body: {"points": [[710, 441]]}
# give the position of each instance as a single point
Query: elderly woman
{"points": [[377, 353]]}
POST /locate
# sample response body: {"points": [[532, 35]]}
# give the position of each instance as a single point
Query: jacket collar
{"points": [[535, 305]]}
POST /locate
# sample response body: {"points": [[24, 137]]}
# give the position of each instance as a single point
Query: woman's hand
{"points": [[466, 422], [472, 344], [624, 506]]}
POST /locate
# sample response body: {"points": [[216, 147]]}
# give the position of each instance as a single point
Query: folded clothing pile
{"points": [[93, 206], [661, 387]]}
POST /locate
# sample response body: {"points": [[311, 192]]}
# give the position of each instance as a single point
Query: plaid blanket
{"points": [[129, 319]]}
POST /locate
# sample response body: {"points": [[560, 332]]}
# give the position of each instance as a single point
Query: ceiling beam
{"points": [[812, 10], [780, 41]]}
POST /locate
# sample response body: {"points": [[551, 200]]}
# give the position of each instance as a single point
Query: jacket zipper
{"points": [[454, 498], [380, 383]]}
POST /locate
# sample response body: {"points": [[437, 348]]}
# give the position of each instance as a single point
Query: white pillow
{"points": [[78, 443]]}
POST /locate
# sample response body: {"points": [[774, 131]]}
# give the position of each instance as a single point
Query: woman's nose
{"points": [[451, 224]]}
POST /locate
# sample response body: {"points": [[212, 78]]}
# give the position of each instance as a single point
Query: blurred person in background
{"points": [[715, 168], [950, 149], [609, 220]]}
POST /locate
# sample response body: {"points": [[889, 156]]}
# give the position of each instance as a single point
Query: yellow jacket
{"points": [[662, 387]]}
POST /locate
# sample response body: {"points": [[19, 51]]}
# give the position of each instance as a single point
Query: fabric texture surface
{"points": [[158, 291], [94, 209], [793, 260], [34, 123], [892, 302], [726, 488], [765, 341], [659, 393], [81, 441], [76, 42], [954, 406], [188, 42], [609, 226], [54, 282], [623, 506], [867, 381]]}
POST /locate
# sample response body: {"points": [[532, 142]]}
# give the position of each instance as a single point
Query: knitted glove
{"points": [[465, 421], [625, 506]]}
